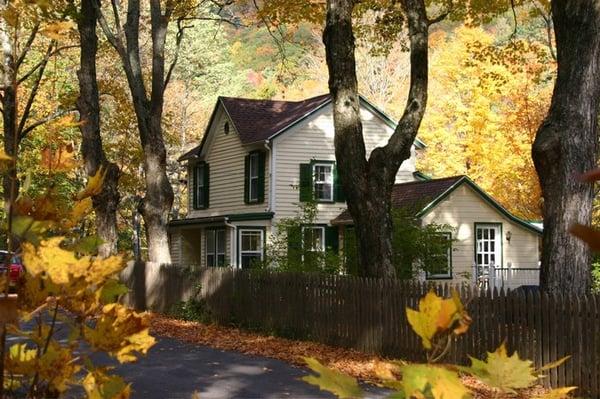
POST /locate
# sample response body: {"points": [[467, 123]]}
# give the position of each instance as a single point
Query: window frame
{"points": [[252, 229], [253, 157], [498, 244], [214, 251], [323, 237], [448, 275], [331, 166], [199, 185]]}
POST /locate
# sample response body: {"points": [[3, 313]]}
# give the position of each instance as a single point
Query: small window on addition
{"points": [[226, 128]]}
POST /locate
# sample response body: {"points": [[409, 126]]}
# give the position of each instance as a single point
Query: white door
{"points": [[488, 249]]}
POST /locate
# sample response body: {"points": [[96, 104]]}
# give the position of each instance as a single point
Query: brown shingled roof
{"points": [[258, 120], [412, 196]]}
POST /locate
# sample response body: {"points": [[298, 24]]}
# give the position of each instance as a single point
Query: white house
{"points": [[259, 159]]}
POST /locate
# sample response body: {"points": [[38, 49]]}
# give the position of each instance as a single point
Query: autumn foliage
{"points": [[437, 321], [65, 283]]}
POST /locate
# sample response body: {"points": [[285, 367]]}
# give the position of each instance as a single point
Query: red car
{"points": [[15, 268]]}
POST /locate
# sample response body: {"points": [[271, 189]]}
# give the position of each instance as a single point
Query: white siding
{"points": [[461, 210], [225, 155], [313, 139]]}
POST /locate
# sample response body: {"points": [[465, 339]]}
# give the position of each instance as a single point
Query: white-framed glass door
{"points": [[488, 246]]}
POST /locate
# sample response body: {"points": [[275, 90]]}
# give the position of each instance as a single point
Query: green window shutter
{"points": [[206, 178], [246, 177], [195, 186], [338, 189], [332, 239], [261, 177], [306, 185], [294, 244]]}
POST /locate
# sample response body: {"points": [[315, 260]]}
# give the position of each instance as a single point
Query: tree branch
{"points": [[34, 90], [114, 41], [45, 120], [44, 61], [27, 46], [178, 39]]}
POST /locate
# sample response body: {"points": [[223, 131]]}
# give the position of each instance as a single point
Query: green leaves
{"points": [[341, 385]]}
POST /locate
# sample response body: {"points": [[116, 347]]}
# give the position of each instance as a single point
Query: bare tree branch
{"points": [[27, 46], [178, 39], [115, 41]]}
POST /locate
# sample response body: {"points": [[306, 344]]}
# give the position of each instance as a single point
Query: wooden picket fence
{"points": [[369, 315]]}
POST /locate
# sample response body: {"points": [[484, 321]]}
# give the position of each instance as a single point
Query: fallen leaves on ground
{"points": [[365, 367]]}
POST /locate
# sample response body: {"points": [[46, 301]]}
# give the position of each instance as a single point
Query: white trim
{"points": [[331, 182], [241, 230]]}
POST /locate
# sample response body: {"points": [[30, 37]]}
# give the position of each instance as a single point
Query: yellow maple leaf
{"points": [[121, 332], [503, 372], [94, 185], [424, 380], [435, 315]]}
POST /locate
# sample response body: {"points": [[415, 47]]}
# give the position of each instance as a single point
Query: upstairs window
{"points": [[254, 178], [319, 182], [201, 180], [323, 181]]}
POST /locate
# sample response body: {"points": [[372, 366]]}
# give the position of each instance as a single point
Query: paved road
{"points": [[174, 370]]}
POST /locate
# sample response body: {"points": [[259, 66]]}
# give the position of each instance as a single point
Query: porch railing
{"points": [[506, 277]]}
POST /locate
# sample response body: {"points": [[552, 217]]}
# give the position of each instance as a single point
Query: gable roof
{"points": [[421, 197], [259, 120]]}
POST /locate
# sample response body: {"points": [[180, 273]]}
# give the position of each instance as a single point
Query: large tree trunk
{"points": [[158, 200], [9, 110], [88, 104], [368, 183], [566, 145]]}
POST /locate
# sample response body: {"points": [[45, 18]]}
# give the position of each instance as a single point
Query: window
{"points": [[441, 265], [313, 238], [201, 186], [253, 177], [215, 248], [251, 246], [323, 181]]}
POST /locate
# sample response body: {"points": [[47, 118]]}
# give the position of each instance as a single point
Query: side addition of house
{"points": [[260, 159]]}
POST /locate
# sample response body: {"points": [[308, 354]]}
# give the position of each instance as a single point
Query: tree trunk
{"points": [[9, 110], [368, 183], [88, 104], [566, 145], [158, 200]]}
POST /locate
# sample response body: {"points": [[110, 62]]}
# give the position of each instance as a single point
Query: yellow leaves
{"points": [[121, 332], [437, 315], [341, 385], [58, 30], [56, 365], [99, 385], [94, 185], [61, 159], [62, 267], [429, 381], [503, 372]]}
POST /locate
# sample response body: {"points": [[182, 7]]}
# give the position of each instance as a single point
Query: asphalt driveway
{"points": [[174, 369]]}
